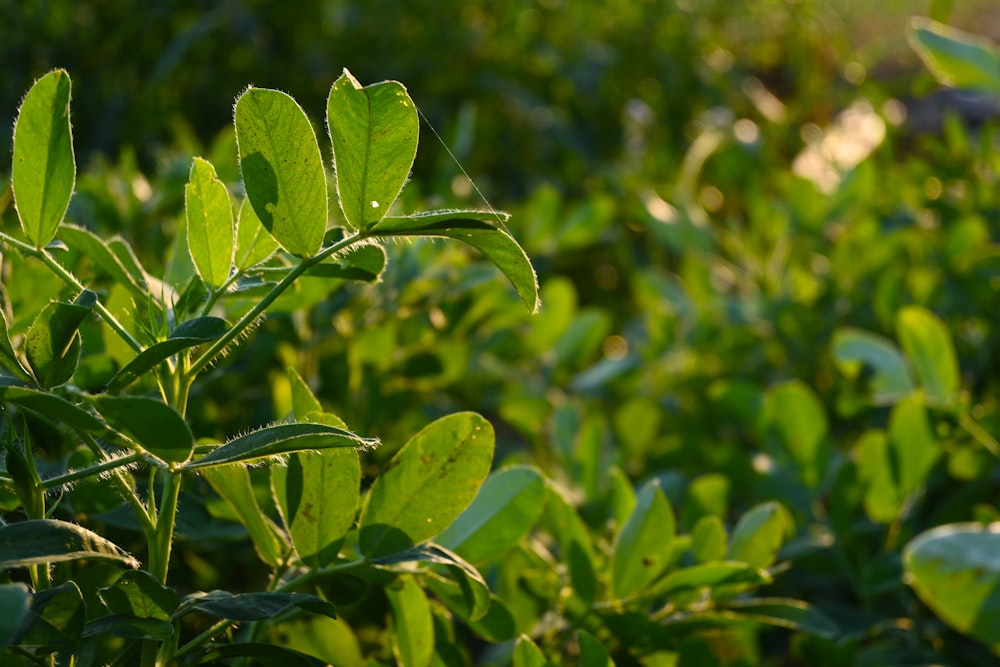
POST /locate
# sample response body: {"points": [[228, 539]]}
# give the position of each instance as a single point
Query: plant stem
{"points": [[251, 315], [973, 428], [73, 475], [159, 557], [124, 488], [68, 278]]}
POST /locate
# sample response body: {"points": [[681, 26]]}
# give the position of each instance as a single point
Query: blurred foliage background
{"points": [[708, 190]]}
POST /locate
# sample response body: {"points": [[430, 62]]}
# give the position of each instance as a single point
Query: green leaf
{"points": [[956, 58], [413, 625], [505, 509], [56, 619], [105, 260], [955, 570], [210, 233], [798, 419], [364, 263], [882, 497], [643, 545], [891, 380], [278, 440], [577, 550], [927, 343], [52, 344], [483, 230], [15, 603], [527, 654], [129, 627], [43, 171], [777, 612], [153, 424], [758, 535], [282, 169], [374, 130], [48, 406], [137, 593], [709, 539], [318, 494], [8, 358], [261, 654], [251, 606], [914, 449], [42, 541], [458, 584], [427, 484], [304, 402], [189, 334], [498, 623], [253, 243], [592, 652], [233, 485], [711, 575]]}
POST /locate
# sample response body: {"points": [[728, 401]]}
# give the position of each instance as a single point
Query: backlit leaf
{"points": [[232, 483], [278, 440], [210, 232], [927, 343], [153, 424], [642, 546], [413, 625], [43, 171]]}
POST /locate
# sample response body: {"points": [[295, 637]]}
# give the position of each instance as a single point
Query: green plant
{"points": [[114, 410]]}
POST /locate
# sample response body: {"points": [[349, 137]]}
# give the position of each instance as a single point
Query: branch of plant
{"points": [[141, 512], [50, 262], [251, 315]]}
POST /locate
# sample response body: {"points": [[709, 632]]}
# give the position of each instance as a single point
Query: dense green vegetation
{"points": [[753, 422]]}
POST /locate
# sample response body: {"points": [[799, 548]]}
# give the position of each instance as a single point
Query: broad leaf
{"points": [[279, 440], [41, 541], [127, 626], [428, 483], [43, 171], [251, 606], [954, 57], [282, 169], [458, 584], [577, 549], [104, 259], [527, 654], [915, 450], [891, 380], [48, 406], [883, 498], [643, 545], [592, 652], [8, 358], [267, 655], [413, 625], [484, 231], [505, 509], [189, 334], [52, 344], [233, 485], [210, 232], [711, 575], [374, 130], [154, 425], [709, 540], [253, 243], [927, 343], [318, 494], [955, 569], [137, 593], [304, 401], [56, 619], [758, 535], [15, 603], [798, 419]]}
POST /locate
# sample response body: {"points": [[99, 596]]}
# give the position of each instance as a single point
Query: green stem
{"points": [[68, 278], [160, 553], [973, 428], [124, 488], [251, 315], [89, 471]]}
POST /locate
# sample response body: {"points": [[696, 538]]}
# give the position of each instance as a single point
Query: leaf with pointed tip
{"points": [[41, 541], [210, 232], [891, 380], [8, 358], [483, 230], [48, 406], [154, 425], [592, 652], [252, 606], [758, 535], [956, 58], [15, 603], [527, 654], [137, 593], [278, 440], [643, 545], [427, 484], [189, 334], [43, 171], [52, 344], [374, 130], [253, 243], [282, 169], [56, 619]]}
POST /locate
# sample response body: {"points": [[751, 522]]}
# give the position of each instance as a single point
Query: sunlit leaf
{"points": [[253, 242], [413, 625], [278, 440], [642, 546], [928, 344], [758, 535], [891, 380], [233, 485], [210, 231], [956, 58]]}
